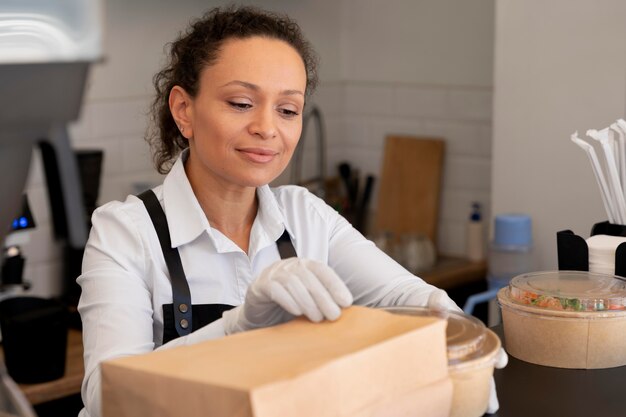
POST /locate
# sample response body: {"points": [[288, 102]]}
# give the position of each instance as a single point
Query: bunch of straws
{"points": [[612, 180]]}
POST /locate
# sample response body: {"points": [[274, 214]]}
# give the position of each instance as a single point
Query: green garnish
{"points": [[574, 304], [537, 300]]}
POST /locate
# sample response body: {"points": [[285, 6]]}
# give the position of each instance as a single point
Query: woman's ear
{"points": [[180, 107]]}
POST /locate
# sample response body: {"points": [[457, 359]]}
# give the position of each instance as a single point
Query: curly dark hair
{"points": [[198, 48]]}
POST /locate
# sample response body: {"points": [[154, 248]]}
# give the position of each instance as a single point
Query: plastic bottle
{"points": [[510, 252], [475, 242]]}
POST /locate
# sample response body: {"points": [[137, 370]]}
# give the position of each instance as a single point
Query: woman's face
{"points": [[246, 119]]}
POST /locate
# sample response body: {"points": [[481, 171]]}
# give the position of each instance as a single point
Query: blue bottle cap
{"points": [[513, 230], [475, 215]]}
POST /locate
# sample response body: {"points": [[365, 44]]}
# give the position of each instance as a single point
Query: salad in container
{"points": [[566, 319]]}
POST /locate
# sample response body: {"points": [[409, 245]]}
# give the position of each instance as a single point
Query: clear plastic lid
{"points": [[465, 334], [569, 291]]}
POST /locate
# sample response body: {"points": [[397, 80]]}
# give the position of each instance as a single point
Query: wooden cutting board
{"points": [[410, 186]]}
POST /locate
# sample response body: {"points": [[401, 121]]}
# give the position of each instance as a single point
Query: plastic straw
{"points": [[621, 150], [597, 170], [614, 147], [612, 174]]}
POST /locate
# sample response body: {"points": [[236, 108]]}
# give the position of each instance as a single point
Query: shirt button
{"points": [[184, 323], [183, 308]]}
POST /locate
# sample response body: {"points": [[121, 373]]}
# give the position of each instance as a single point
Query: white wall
{"points": [[399, 66], [560, 66], [442, 42], [422, 68]]}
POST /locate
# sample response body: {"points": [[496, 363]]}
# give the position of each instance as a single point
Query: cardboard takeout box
{"points": [[472, 351], [368, 363], [566, 319]]}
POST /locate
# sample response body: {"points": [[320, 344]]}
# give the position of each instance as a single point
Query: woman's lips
{"points": [[258, 155]]}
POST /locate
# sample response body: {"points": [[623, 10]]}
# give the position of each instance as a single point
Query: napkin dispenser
{"points": [[573, 251]]}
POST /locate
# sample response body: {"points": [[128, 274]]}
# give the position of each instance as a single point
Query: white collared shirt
{"points": [[125, 280]]}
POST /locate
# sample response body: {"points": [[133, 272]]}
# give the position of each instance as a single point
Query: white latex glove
{"points": [[287, 288], [439, 300], [501, 360]]}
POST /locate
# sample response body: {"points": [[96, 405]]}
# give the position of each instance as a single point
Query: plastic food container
{"points": [[472, 349], [566, 319]]}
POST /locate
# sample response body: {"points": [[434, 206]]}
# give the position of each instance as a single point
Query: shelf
{"points": [[451, 272]]}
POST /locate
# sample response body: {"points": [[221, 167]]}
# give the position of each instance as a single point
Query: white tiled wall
{"points": [[360, 105], [358, 117], [115, 126], [118, 127], [461, 116]]}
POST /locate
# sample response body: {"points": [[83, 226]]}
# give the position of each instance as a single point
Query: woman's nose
{"points": [[263, 124]]}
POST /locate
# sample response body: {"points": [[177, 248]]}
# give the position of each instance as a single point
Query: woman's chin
{"points": [[260, 179], [257, 182]]}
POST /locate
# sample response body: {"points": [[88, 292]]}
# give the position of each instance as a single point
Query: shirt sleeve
{"points": [[115, 304], [373, 277], [116, 299]]}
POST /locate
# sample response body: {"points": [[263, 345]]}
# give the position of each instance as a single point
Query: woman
{"points": [[228, 111]]}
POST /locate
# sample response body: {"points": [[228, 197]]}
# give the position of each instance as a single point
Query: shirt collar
{"points": [[187, 221], [185, 217], [270, 215]]}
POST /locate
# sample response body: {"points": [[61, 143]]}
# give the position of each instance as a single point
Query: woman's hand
{"points": [[501, 360], [440, 300], [288, 288]]}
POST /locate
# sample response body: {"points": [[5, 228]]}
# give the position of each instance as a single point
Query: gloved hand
{"points": [[439, 300], [501, 360], [288, 288]]}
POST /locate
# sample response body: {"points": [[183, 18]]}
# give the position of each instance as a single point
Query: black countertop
{"points": [[527, 390]]}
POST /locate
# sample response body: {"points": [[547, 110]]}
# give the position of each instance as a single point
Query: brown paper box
{"points": [[577, 340], [369, 363]]}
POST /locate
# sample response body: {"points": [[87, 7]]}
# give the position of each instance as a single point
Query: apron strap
{"points": [[180, 288], [182, 308], [203, 314], [285, 247]]}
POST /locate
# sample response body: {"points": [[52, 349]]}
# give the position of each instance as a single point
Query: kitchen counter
{"points": [[452, 272], [69, 384], [527, 390], [524, 389]]}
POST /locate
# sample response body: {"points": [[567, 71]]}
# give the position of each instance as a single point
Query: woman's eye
{"points": [[288, 112], [239, 105]]}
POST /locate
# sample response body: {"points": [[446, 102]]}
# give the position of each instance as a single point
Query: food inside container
{"points": [[566, 319], [570, 291], [472, 349]]}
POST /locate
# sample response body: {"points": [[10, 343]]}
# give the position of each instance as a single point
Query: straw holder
{"points": [[573, 252]]}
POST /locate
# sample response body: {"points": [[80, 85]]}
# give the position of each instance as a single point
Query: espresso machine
{"points": [[46, 50]]}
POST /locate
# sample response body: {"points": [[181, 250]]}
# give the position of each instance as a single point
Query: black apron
{"points": [[178, 318]]}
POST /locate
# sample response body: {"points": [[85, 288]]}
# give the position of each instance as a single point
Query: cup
{"points": [[34, 336]]}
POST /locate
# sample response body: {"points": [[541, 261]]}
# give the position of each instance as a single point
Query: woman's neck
{"points": [[231, 210]]}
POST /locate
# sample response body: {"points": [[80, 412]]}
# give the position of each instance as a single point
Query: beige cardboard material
{"points": [[562, 339], [355, 366], [471, 380], [430, 400], [472, 351], [471, 392]]}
